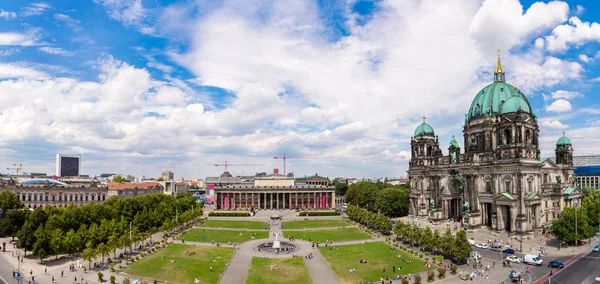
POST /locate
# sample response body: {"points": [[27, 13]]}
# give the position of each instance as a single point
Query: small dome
{"points": [[453, 143], [424, 130], [564, 140], [515, 104]]}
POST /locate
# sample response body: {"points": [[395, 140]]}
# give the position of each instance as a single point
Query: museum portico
{"points": [[235, 197]]}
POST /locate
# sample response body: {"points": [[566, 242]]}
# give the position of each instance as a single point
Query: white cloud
{"points": [[7, 15], [34, 9], [8, 51], [555, 124], [559, 106], [584, 58], [19, 71], [567, 95], [75, 25], [18, 39], [55, 51], [575, 32], [579, 9], [129, 12]]}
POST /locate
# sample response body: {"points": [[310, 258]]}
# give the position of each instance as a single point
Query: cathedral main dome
{"points": [[498, 98]]}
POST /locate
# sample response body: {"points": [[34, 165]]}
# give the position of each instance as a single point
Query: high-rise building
{"points": [[167, 175], [68, 165], [589, 160]]}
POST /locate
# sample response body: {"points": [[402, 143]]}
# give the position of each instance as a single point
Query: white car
{"points": [[514, 258], [476, 255], [483, 246]]}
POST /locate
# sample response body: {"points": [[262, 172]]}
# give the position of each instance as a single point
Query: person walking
{"points": [[52, 279], [62, 273]]}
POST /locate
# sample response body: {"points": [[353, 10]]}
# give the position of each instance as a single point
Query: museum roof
{"points": [[587, 170], [569, 190], [251, 186], [508, 195]]}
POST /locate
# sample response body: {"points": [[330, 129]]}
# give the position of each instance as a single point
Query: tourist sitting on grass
{"points": [[352, 270]]}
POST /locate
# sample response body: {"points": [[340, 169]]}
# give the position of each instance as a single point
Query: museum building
{"points": [[499, 181]]}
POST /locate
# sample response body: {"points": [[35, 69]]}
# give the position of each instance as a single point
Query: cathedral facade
{"points": [[499, 179]]}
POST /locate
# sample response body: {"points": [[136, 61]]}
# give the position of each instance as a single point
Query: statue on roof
{"points": [[453, 154], [467, 207], [432, 204]]}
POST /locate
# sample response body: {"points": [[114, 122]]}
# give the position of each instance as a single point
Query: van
{"points": [[532, 259], [496, 247], [472, 242]]}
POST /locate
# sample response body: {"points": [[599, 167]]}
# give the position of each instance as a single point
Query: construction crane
{"points": [[284, 158], [18, 168], [226, 165]]}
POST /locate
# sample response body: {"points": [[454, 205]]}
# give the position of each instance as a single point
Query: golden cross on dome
{"points": [[452, 136], [498, 52], [424, 117]]}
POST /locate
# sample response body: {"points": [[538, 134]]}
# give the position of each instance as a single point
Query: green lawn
{"points": [[184, 269], [291, 270], [314, 224], [223, 236], [380, 256], [337, 235], [251, 225]]}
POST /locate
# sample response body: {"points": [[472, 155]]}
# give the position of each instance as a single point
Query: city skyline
{"points": [[140, 87]]}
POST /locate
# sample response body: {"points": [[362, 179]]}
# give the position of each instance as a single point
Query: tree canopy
{"points": [[564, 226], [9, 200], [390, 200], [591, 205], [120, 179]]}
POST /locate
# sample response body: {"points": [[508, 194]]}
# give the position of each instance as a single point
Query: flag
{"points": [[275, 171], [55, 177]]}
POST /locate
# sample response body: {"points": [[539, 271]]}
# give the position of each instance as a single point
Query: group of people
{"points": [[276, 267], [308, 255]]}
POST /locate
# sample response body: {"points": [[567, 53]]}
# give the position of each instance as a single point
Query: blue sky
{"points": [[138, 87]]}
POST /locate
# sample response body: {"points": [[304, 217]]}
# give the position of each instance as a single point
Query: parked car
{"points": [[472, 242], [597, 247], [476, 255], [508, 251], [514, 258], [555, 264], [483, 246], [495, 248]]}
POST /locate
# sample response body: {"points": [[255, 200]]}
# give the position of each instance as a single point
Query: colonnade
{"points": [[275, 200]]}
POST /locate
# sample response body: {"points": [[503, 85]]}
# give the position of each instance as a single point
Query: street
{"points": [[583, 271], [535, 272]]}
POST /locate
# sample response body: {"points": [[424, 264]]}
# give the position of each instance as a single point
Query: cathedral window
{"points": [[529, 186], [488, 186], [507, 138], [546, 203], [507, 185]]}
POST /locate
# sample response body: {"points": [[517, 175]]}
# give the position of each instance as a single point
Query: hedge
{"points": [[319, 213], [229, 214]]}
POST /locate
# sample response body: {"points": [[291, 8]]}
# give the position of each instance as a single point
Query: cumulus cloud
{"points": [[554, 124], [567, 95], [130, 12], [560, 105], [20, 39], [575, 32], [20, 71]]}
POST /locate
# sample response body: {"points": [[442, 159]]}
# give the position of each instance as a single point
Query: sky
{"points": [[142, 86]]}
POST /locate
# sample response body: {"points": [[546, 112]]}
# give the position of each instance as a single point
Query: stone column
{"points": [[290, 200], [513, 217], [296, 200], [499, 218], [283, 203], [314, 200], [253, 199], [277, 200], [333, 200]]}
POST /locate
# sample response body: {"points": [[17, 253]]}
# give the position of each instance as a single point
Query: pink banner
{"points": [[323, 201], [211, 186], [225, 202]]}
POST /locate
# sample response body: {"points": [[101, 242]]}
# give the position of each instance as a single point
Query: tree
{"points": [[446, 243], [160, 179], [88, 255], [340, 188], [13, 222], [120, 179], [27, 236], [102, 250], [564, 227], [384, 224], [9, 200], [56, 242], [436, 240], [392, 202], [72, 241], [591, 205], [426, 238], [462, 248], [587, 190], [41, 247]]}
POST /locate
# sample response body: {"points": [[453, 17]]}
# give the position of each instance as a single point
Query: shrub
{"points": [[143, 254], [137, 257], [430, 276], [126, 281], [229, 214], [119, 261], [417, 279], [441, 273], [420, 255], [427, 253], [100, 275], [440, 259], [453, 269], [404, 281], [112, 279], [426, 259], [319, 213]]}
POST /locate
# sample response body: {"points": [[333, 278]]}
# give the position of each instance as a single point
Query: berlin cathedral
{"points": [[499, 179]]}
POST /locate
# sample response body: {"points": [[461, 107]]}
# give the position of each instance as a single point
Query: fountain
{"points": [[277, 246]]}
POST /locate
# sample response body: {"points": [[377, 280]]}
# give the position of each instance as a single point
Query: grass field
{"points": [[314, 224], [234, 224], [291, 270], [337, 235], [223, 236], [380, 256], [185, 269]]}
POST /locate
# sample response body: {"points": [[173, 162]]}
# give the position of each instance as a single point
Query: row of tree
{"points": [[380, 222], [451, 246], [380, 197], [576, 224], [94, 229]]}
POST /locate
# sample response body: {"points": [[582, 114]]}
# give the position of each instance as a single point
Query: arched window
{"points": [[507, 137], [528, 136]]}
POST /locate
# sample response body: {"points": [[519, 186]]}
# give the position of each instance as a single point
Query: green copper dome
{"points": [[490, 100], [515, 104], [424, 129], [564, 140]]}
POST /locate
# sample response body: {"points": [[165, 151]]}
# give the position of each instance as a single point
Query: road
{"points": [[535, 272], [583, 271]]}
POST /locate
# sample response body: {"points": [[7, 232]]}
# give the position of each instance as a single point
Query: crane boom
{"points": [[284, 158], [226, 165]]}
